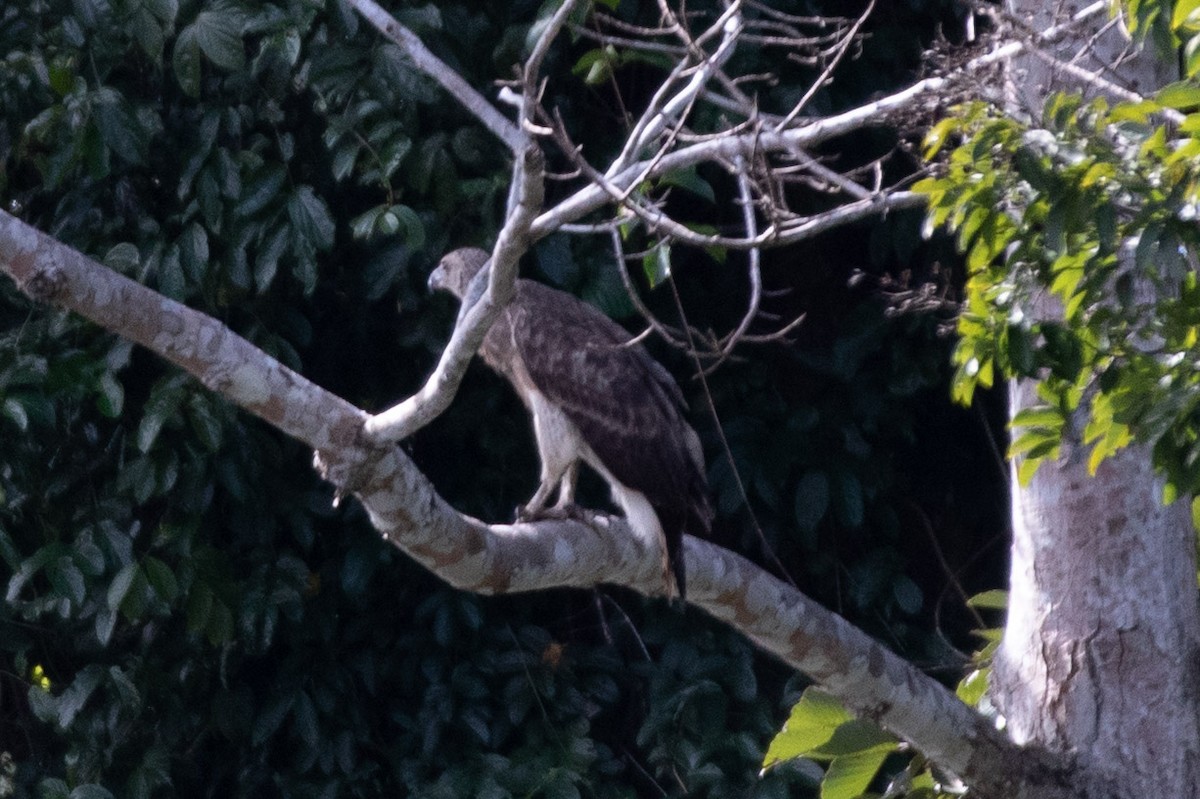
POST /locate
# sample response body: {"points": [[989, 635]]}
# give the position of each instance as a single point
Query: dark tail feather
{"points": [[675, 556], [698, 522], [696, 519]]}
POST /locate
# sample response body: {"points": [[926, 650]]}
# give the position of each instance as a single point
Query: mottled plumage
{"points": [[595, 398]]}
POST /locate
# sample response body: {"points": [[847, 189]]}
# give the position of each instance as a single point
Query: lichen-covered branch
{"points": [[475, 556]]}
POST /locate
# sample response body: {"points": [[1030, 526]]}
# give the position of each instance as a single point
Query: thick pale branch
{"points": [[867, 677], [473, 323], [51, 272], [404, 506], [500, 126]]}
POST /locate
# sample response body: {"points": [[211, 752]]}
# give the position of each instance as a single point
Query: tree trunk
{"points": [[1100, 650], [1099, 654]]}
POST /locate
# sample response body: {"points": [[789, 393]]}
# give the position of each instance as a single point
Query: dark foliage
{"points": [[184, 613]]}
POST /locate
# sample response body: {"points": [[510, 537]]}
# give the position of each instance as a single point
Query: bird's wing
{"points": [[627, 407]]}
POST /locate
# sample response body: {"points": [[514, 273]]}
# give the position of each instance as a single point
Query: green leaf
{"points": [[204, 422], [261, 189], [1026, 469], [123, 258], [304, 714], [121, 585], [851, 737], [29, 567], [106, 622], [185, 60], [1184, 14], [1191, 56], [1182, 96], [77, 694], [971, 689], [15, 411], [1037, 416], [161, 578], [596, 66], [907, 594], [936, 139], [409, 225], [812, 722], [689, 180], [366, 224], [219, 629], [193, 252], [67, 580], [266, 261], [150, 426], [118, 128], [311, 218], [218, 35], [848, 502], [812, 500], [656, 264], [1036, 443], [850, 775], [53, 788], [995, 599], [270, 719], [198, 607], [149, 33]]}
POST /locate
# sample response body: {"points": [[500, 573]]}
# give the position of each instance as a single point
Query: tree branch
{"points": [[791, 141], [492, 559], [402, 420], [500, 126]]}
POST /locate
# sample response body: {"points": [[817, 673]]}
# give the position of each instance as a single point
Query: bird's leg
{"points": [[565, 508], [536, 503], [566, 487]]}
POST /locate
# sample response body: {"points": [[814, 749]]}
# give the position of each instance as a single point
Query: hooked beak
{"points": [[437, 279]]}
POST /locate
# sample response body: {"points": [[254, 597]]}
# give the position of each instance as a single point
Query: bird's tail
{"points": [[694, 518], [662, 526]]}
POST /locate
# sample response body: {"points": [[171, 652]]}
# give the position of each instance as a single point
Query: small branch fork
{"points": [[525, 198], [496, 559], [762, 152]]}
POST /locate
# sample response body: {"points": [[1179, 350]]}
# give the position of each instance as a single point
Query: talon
{"points": [[557, 512]]}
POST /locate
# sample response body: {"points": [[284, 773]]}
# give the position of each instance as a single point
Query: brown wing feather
{"points": [[625, 404]]}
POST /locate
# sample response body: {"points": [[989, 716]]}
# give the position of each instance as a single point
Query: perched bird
{"points": [[598, 398]]}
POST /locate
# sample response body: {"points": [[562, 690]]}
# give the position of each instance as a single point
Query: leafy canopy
{"points": [[1080, 239]]}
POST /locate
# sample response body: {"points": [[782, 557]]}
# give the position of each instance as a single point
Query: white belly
{"points": [[560, 444]]}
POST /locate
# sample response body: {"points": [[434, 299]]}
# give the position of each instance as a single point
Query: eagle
{"points": [[596, 397]]}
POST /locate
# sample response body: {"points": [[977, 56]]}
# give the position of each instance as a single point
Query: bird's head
{"points": [[457, 269]]}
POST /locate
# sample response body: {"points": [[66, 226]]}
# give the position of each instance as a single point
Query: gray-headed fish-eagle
{"points": [[595, 397]]}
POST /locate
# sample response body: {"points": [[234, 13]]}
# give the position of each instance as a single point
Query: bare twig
{"points": [[437, 69], [526, 193], [750, 222], [843, 48], [655, 120], [435, 396], [798, 137], [631, 291]]}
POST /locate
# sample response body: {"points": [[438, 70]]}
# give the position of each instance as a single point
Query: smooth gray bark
{"points": [[1099, 656]]}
